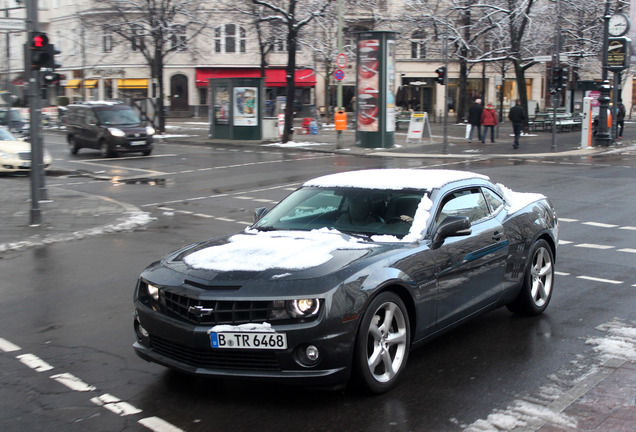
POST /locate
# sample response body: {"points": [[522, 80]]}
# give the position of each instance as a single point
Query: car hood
{"points": [[274, 256], [15, 146]]}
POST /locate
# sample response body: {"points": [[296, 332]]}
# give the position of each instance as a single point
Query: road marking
{"points": [[565, 242], [73, 382], [628, 250], [631, 228], [594, 246], [7, 346], [594, 279], [561, 219], [158, 425], [600, 225], [561, 273], [34, 362], [115, 405]]}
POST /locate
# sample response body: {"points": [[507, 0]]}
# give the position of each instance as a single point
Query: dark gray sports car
{"points": [[345, 276]]}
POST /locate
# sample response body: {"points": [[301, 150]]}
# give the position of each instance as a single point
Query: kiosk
{"points": [[236, 111]]}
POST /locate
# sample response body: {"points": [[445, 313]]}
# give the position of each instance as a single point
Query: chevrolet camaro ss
{"points": [[345, 276]]}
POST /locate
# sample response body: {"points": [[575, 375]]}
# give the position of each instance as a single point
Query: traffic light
{"points": [[38, 50], [559, 78], [41, 52], [441, 75]]}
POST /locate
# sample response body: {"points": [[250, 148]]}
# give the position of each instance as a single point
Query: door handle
{"points": [[497, 235]]}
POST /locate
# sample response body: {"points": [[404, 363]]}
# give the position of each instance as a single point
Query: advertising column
{"points": [[375, 101]]}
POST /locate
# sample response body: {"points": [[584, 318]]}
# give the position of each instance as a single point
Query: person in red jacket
{"points": [[489, 121]]}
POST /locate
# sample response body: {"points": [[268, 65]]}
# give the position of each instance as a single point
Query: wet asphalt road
{"points": [[70, 303]]}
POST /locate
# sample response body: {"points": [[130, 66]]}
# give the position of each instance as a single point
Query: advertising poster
{"points": [[368, 85], [222, 105], [390, 86], [245, 106]]}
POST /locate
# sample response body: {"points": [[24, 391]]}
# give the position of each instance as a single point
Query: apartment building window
{"points": [[178, 38], [418, 45], [107, 40], [137, 37], [230, 38]]}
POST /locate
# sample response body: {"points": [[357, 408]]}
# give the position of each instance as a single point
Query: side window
{"points": [[494, 201], [90, 117], [467, 202]]}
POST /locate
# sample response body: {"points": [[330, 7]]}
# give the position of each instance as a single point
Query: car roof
{"points": [[394, 179]]}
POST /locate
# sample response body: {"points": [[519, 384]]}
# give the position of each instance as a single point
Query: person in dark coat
{"points": [[620, 118], [474, 119], [517, 116], [489, 120]]}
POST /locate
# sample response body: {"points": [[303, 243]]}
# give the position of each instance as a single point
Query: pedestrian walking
{"points": [[489, 121], [474, 119], [517, 115], [620, 118]]}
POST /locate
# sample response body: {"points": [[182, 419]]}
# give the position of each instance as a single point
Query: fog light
{"points": [[308, 355], [312, 353], [143, 331]]}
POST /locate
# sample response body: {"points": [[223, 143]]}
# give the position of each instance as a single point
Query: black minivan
{"points": [[110, 127]]}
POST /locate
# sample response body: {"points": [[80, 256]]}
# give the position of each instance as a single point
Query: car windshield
{"points": [[12, 115], [5, 135], [120, 117], [364, 212]]}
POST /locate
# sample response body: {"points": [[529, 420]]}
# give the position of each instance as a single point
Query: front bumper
{"points": [[187, 348]]}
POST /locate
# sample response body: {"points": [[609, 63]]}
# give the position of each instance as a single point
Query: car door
{"points": [[470, 268]]}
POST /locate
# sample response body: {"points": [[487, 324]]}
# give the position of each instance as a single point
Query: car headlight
{"points": [[303, 308], [150, 130], [153, 291], [117, 132]]}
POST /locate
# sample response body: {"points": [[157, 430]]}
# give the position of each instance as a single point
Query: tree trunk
{"points": [[291, 85]]}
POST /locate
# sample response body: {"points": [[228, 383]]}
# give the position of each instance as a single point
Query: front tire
{"points": [[104, 150], [538, 282], [383, 343], [72, 146]]}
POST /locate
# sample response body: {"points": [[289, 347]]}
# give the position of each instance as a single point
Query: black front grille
{"points": [[217, 358], [25, 156], [213, 312]]}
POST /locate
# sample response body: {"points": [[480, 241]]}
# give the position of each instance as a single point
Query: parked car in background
{"points": [[15, 154], [110, 127], [345, 276], [11, 119]]}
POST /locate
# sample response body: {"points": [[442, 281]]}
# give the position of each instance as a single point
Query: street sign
{"points": [[341, 61], [542, 59], [618, 54], [12, 24], [338, 74]]}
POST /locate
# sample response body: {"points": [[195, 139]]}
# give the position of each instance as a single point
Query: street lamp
{"points": [[603, 137]]}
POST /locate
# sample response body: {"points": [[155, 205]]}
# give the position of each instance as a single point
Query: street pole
{"points": [[445, 52], [556, 91], [603, 137], [339, 83], [38, 190]]}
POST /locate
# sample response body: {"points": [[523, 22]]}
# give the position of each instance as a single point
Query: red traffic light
{"points": [[39, 40]]}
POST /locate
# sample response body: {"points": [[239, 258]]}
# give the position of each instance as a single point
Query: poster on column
{"points": [[390, 79], [245, 106], [368, 85]]}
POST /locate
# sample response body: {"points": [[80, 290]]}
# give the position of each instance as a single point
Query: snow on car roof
{"points": [[393, 179]]}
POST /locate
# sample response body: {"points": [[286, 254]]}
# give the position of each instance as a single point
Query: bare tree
{"points": [[156, 29], [293, 15]]}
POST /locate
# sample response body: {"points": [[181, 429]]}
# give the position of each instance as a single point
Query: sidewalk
{"points": [[603, 402]]}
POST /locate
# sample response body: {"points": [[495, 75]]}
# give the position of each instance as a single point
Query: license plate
{"points": [[249, 340], [137, 143]]}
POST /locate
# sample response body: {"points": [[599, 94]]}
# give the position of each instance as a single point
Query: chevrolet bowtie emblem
{"points": [[200, 311]]}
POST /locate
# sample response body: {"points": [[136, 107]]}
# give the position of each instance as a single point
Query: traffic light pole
{"points": [[38, 189]]}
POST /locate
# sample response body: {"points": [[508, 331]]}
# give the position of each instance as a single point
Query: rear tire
{"points": [[383, 343], [72, 146], [538, 282]]}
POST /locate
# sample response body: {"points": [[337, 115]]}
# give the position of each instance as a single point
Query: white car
{"points": [[15, 154]]}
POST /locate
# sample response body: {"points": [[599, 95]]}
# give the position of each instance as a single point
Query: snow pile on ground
{"points": [[521, 414], [293, 144], [620, 341], [259, 251]]}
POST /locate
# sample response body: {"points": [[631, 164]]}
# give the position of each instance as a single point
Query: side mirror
{"points": [[452, 226], [259, 213]]}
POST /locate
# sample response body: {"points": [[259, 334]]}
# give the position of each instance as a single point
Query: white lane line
{"points": [[225, 219], [631, 228], [115, 405], [73, 382], [562, 219], [600, 225], [34, 362], [7, 346], [628, 250], [244, 197], [158, 425], [565, 242], [594, 246], [561, 273], [595, 279]]}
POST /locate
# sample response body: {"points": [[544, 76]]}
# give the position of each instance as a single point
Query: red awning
{"points": [[273, 77]]}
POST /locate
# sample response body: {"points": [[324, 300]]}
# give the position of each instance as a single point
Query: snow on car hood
{"points": [[283, 250]]}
